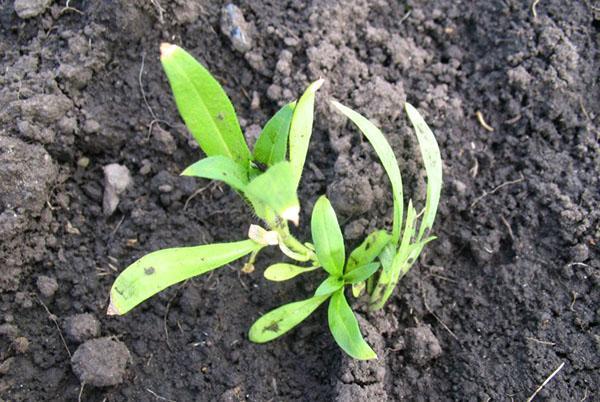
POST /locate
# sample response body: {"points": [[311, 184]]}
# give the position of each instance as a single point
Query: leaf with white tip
{"points": [[204, 106], [160, 269], [433, 166]]}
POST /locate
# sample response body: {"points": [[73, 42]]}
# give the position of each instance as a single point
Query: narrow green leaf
{"points": [[361, 273], [301, 129], [161, 269], [279, 321], [329, 285], [387, 158], [345, 330], [433, 166], [282, 272], [327, 237], [219, 168], [368, 250], [271, 145], [204, 106], [273, 194], [391, 275]]}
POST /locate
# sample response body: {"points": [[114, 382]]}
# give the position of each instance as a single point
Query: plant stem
{"points": [[292, 243]]}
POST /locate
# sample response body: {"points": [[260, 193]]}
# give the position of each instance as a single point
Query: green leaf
{"points": [[365, 253], [387, 158], [327, 237], [394, 263], [204, 106], [279, 321], [273, 194], [345, 330], [282, 272], [301, 129], [433, 166], [219, 168], [161, 269], [271, 145], [361, 273], [368, 250], [329, 285]]}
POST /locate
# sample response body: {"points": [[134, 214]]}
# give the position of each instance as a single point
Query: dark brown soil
{"points": [[508, 293]]}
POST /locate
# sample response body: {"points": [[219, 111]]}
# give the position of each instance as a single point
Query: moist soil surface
{"points": [[507, 294]]}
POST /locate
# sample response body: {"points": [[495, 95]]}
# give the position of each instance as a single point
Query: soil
{"points": [[508, 293]]}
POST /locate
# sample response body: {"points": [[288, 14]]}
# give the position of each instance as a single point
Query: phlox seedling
{"points": [[267, 178]]}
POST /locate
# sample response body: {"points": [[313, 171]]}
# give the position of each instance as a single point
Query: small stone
{"points": [[83, 162], [146, 167], [20, 344], [255, 104], [100, 362], [31, 8], [116, 180], [5, 365], [235, 27], [421, 345], [47, 285], [81, 327], [165, 188]]}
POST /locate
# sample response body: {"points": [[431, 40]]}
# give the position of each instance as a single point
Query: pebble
{"points": [[81, 327], [116, 180], [83, 162], [31, 8], [580, 252], [235, 27], [47, 285], [101, 362]]}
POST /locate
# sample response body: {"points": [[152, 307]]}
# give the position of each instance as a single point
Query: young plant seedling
{"points": [[396, 252], [264, 178], [268, 182]]}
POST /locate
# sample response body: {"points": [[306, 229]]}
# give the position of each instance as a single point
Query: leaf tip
{"points": [[167, 49], [317, 84], [292, 214], [112, 309]]}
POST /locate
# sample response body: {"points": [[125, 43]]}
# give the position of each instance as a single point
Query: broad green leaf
{"points": [[161, 269], [204, 106], [433, 166], [219, 168], [345, 330], [387, 158], [361, 273], [273, 194], [271, 145], [368, 250], [391, 275], [327, 237], [329, 285], [301, 129], [279, 321], [282, 272]]}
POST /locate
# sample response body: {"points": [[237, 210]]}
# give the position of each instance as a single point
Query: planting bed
{"points": [[508, 293]]}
